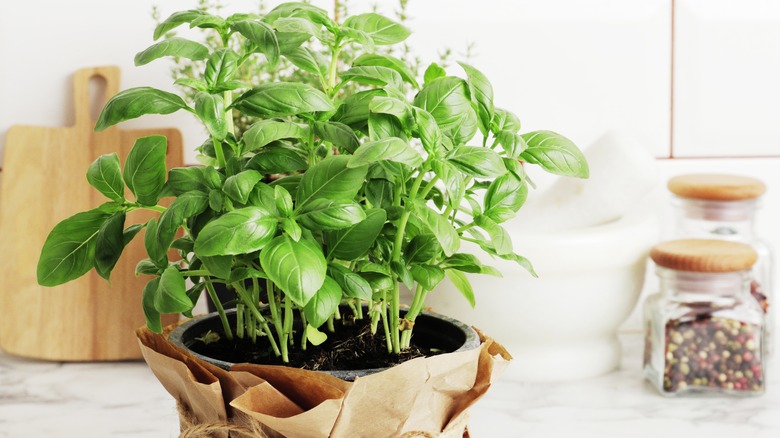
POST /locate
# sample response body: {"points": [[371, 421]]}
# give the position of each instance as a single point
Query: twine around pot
{"points": [[191, 429]]}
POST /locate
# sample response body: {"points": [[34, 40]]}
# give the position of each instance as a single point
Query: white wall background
{"points": [[580, 67]]}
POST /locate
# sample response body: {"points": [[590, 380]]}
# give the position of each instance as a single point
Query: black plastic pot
{"points": [[430, 329]]}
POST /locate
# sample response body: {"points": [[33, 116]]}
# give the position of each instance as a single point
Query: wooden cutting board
{"points": [[44, 182]]}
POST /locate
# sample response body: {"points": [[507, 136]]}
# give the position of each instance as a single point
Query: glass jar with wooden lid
{"points": [[704, 332], [722, 206]]}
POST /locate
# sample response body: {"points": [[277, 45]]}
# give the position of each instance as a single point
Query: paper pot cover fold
{"points": [[423, 397]]}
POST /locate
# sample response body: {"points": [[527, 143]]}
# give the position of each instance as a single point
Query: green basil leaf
{"points": [[307, 59], [379, 193], [220, 68], [355, 241], [184, 206], [555, 154], [463, 285], [505, 192], [499, 237], [206, 21], [299, 9], [464, 263], [290, 183], [504, 120], [382, 30], [439, 226], [315, 336], [240, 231], [373, 59], [264, 132], [278, 99], [298, 25], [353, 285], [292, 228], [178, 47], [522, 261], [373, 75], [151, 314], [422, 248], [482, 92], [448, 101], [331, 178], [329, 214], [145, 169], [289, 41], [216, 200], [433, 72], [477, 161], [171, 296], [109, 244], [277, 159], [218, 265], [105, 175], [147, 267], [378, 282], [427, 276], [354, 111], [69, 250], [186, 179], [241, 274], [359, 37], [428, 131], [390, 149], [195, 84], [174, 21], [264, 196], [297, 268], [283, 201], [156, 252], [323, 304], [239, 186], [210, 109], [261, 35], [136, 102], [382, 126], [512, 143], [338, 134], [184, 244], [403, 273], [394, 107]]}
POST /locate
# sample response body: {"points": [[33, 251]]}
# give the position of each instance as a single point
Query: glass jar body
{"points": [[733, 221], [704, 334]]}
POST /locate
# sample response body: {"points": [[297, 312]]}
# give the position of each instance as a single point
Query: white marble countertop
{"points": [[40, 399]]}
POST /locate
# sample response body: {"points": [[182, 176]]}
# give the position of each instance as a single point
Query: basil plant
{"points": [[328, 199]]}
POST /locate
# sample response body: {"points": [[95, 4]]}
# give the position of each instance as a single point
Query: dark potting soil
{"points": [[350, 347]]}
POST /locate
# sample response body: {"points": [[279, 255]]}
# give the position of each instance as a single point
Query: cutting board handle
{"points": [[81, 92]]}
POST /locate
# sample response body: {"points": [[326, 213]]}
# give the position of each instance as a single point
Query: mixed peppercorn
{"points": [[707, 352]]}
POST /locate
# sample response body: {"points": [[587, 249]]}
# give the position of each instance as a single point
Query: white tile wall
{"points": [[727, 65]]}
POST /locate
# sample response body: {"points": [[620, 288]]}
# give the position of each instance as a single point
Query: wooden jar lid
{"points": [[716, 187], [700, 255]]}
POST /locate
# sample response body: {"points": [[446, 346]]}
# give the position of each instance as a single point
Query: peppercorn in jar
{"points": [[704, 331], [723, 207]]}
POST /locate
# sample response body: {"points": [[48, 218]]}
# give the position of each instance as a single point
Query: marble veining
{"points": [[80, 400]]}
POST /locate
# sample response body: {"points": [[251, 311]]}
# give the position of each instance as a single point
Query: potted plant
{"points": [[379, 188]]}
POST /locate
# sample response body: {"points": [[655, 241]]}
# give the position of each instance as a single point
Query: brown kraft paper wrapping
{"points": [[423, 397]]}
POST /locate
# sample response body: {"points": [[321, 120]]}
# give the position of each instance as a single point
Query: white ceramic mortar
{"points": [[562, 325]]}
